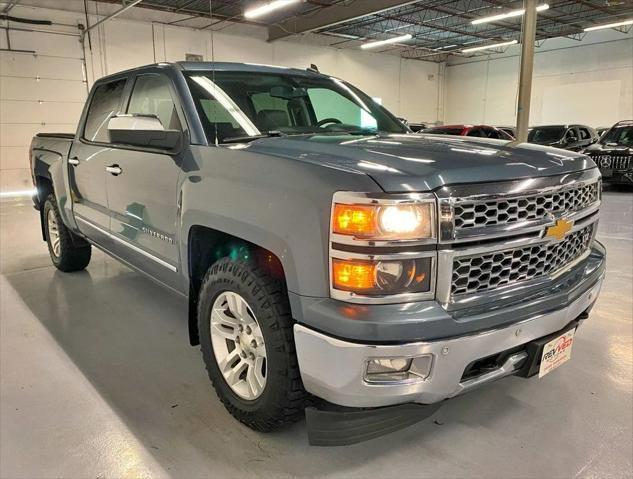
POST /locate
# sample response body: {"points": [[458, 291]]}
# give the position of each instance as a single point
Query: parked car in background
{"points": [[416, 127], [510, 130], [601, 130], [481, 131], [568, 137], [613, 153]]}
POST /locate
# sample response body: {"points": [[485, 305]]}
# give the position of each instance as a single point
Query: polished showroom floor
{"points": [[98, 380]]}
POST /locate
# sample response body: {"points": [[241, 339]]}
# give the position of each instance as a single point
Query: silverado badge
{"points": [[559, 230]]}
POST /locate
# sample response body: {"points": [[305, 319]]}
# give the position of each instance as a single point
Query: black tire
{"points": [[74, 252], [282, 401]]}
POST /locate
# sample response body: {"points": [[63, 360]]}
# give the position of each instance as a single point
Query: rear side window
{"points": [[477, 132], [103, 106], [584, 134], [444, 131], [152, 96]]}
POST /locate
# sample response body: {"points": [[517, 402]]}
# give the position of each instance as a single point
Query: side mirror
{"points": [[142, 130]]}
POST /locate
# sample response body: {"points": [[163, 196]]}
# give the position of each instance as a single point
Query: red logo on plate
{"points": [[564, 343]]}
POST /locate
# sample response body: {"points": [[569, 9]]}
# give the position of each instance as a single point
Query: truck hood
{"points": [[415, 162], [601, 149]]}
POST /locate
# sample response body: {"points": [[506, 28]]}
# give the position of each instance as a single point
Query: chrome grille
{"points": [[613, 162], [475, 214], [477, 273]]}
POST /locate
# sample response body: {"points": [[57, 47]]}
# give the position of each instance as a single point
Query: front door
{"points": [[142, 189], [87, 163]]}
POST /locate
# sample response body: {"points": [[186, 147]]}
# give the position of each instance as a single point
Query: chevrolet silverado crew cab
{"points": [[334, 262]]}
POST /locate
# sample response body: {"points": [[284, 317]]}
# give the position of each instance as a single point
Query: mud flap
{"points": [[339, 426]]}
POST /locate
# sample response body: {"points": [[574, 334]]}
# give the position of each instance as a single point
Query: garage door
{"points": [[40, 91]]}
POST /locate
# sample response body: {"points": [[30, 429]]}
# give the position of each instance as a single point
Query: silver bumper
{"points": [[333, 369]]}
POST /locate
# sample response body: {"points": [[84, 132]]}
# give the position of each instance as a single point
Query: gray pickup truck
{"points": [[334, 262]]}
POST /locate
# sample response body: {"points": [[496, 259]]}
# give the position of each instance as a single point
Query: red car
{"points": [[482, 131]]}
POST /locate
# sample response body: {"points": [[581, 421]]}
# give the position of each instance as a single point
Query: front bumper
{"points": [[333, 369]]}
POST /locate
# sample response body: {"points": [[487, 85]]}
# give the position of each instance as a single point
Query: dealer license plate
{"points": [[556, 352]]}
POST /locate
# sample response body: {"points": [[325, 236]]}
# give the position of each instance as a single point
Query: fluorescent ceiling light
{"points": [[486, 47], [267, 8], [380, 43], [510, 14], [610, 25]]}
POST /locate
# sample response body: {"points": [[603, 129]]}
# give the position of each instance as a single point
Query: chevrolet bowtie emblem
{"points": [[559, 230]]}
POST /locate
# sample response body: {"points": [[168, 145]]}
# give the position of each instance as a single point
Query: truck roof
{"points": [[217, 66], [244, 67]]}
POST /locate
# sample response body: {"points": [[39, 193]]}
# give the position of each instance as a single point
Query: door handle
{"points": [[73, 161], [114, 170]]}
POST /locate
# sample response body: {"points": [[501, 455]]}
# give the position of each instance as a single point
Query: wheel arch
{"points": [[205, 246]]}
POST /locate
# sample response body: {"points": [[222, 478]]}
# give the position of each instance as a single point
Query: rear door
{"points": [[89, 155], [143, 187]]}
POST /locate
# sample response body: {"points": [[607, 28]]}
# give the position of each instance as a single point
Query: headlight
{"points": [[382, 277], [377, 247], [408, 218]]}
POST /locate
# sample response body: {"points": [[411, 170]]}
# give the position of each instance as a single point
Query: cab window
{"points": [[152, 96], [103, 106], [584, 134], [477, 132]]}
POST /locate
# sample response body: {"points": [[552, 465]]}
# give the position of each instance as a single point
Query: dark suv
{"points": [[613, 153], [568, 137]]}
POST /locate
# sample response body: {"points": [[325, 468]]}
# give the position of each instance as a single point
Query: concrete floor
{"points": [[97, 380]]}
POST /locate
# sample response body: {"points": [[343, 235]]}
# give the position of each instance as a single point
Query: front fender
{"points": [[280, 204]]}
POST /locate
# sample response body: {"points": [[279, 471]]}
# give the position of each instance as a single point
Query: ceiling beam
{"points": [[332, 15]]}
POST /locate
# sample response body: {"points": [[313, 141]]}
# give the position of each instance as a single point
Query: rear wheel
{"points": [[247, 344], [68, 252]]}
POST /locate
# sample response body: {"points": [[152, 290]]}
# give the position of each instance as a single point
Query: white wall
{"points": [[588, 82], [46, 90]]}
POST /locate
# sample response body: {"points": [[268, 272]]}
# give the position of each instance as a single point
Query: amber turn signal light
{"points": [[357, 220], [349, 275]]}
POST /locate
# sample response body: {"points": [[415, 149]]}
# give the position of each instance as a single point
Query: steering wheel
{"points": [[325, 121]]}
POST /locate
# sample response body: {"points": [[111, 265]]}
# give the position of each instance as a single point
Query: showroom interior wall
{"points": [[574, 81], [45, 91]]}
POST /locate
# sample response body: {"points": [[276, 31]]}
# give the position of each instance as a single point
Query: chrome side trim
{"points": [[92, 225], [126, 243], [449, 196]]}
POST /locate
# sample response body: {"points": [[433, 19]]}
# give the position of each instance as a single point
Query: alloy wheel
{"points": [[53, 232], [238, 345]]}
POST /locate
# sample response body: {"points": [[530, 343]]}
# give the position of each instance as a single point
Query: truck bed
{"points": [[65, 136]]}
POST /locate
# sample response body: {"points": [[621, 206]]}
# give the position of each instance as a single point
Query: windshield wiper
{"points": [[246, 139]]}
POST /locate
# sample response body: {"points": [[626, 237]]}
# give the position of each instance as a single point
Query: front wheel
{"points": [[247, 344]]}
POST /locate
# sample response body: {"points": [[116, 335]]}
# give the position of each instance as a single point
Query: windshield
{"points": [[246, 104], [620, 135], [546, 134]]}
